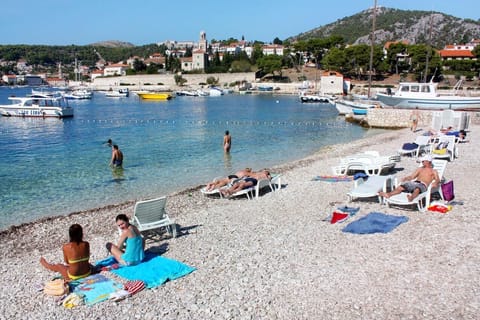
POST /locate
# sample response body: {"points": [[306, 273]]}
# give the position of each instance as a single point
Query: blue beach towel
{"points": [[154, 270], [94, 288], [375, 222]]}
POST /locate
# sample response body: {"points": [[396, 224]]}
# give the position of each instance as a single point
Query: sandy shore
{"points": [[275, 257]]}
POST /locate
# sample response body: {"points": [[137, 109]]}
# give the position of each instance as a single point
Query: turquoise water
{"points": [[55, 167]]}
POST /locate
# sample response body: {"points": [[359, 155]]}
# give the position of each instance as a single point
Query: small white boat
{"points": [[410, 95], [37, 106], [120, 93], [79, 94], [315, 98], [345, 107], [215, 92]]}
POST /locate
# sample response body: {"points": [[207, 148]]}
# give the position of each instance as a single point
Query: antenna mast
{"points": [[428, 48], [372, 44]]}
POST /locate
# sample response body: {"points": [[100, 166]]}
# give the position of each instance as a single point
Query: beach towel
{"points": [[333, 178], [375, 222], [154, 270], [94, 288]]}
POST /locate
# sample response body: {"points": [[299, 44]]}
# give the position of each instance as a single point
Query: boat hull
{"points": [[345, 107], [12, 111], [438, 103], [154, 96]]}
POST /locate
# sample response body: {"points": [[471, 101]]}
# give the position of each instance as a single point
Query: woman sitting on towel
{"points": [[132, 239], [76, 254]]}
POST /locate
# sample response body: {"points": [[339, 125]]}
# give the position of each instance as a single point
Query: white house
{"points": [[117, 69], [331, 82]]}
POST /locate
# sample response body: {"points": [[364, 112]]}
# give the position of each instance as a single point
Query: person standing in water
{"points": [[117, 157], [227, 141]]}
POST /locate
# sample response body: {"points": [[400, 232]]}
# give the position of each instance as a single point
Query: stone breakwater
{"points": [[277, 257]]}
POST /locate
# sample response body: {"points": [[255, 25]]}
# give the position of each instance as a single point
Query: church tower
{"points": [[202, 43]]}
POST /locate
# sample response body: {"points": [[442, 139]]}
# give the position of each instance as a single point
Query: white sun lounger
{"points": [[370, 187]]}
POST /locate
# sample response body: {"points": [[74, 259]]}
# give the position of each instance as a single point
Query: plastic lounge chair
{"points": [[254, 191], [150, 216], [369, 162], [421, 141], [422, 201], [371, 187], [451, 149], [440, 166]]}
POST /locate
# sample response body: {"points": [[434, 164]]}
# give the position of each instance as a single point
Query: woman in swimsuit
{"points": [[132, 239], [76, 254]]}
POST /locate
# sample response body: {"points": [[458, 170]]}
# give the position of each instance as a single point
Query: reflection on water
{"points": [[118, 174], [227, 161]]}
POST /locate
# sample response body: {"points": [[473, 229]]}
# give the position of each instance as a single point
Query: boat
{"points": [[265, 88], [215, 92], [120, 93], [345, 107], [37, 106], [318, 98], [187, 93], [359, 112], [79, 94], [155, 95], [410, 95]]}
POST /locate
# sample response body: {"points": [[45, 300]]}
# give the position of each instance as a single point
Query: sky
{"points": [[67, 22]]}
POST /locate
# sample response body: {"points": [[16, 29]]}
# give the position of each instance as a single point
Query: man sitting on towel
{"points": [[417, 182]]}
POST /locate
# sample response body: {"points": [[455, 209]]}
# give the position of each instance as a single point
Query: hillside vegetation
{"points": [[416, 27]]}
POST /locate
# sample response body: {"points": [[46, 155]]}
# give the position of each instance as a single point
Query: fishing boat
{"points": [[410, 95], [120, 93], [37, 106], [155, 95]]}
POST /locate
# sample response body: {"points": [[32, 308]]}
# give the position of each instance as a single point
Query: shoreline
{"points": [[276, 257]]}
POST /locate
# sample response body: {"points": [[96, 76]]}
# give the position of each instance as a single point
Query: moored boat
{"points": [[155, 95], [347, 106], [315, 98], [79, 94], [120, 93], [37, 106], [411, 95]]}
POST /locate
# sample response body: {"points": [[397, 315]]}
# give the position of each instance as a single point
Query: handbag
{"points": [[447, 191]]}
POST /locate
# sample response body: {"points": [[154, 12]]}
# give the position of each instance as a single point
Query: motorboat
{"points": [[155, 95], [315, 98], [411, 95], [215, 92], [78, 94], [120, 93], [37, 106]]}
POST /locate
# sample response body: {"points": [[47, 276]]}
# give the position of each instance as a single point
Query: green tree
{"points": [[270, 64], [179, 80]]}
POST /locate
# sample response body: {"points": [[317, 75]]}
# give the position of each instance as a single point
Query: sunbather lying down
{"points": [[218, 183], [246, 182], [238, 176]]}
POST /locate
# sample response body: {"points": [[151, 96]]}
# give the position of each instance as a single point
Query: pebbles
{"points": [[275, 257]]}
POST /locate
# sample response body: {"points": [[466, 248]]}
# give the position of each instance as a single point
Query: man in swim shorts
{"points": [[117, 157], [418, 181], [243, 183]]}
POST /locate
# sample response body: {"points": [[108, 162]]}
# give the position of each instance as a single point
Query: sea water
{"points": [[57, 166]]}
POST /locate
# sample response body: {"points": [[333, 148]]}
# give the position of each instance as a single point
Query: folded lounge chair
{"points": [[371, 165], [150, 216]]}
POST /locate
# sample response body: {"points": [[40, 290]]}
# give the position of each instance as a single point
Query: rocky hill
{"points": [[414, 26], [113, 44]]}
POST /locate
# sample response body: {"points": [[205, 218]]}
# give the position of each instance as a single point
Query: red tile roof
{"points": [[456, 53]]}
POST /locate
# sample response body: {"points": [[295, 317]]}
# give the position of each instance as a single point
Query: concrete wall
{"points": [[167, 81], [400, 118]]}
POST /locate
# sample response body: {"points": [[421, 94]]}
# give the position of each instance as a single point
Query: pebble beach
{"points": [[277, 257]]}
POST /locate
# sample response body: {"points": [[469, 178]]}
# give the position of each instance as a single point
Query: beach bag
{"points": [[134, 286], [447, 190], [56, 287]]}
